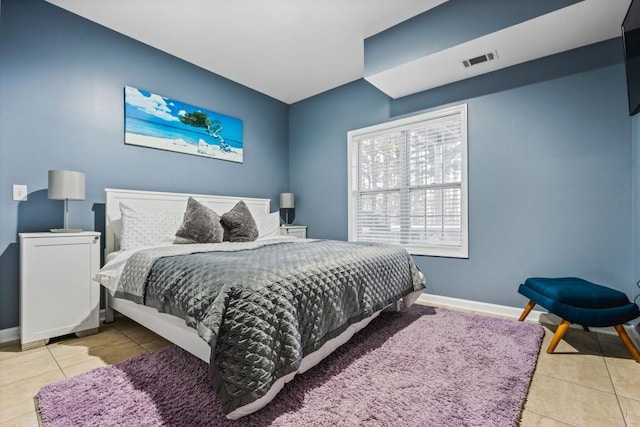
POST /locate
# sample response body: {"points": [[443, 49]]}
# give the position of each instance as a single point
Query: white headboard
{"points": [[167, 202]]}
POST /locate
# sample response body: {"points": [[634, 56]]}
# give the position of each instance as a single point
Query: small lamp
{"points": [[66, 185], [287, 205]]}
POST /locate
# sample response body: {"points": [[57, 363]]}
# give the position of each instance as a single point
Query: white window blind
{"points": [[408, 183]]}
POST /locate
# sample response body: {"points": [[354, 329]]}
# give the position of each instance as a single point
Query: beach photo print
{"points": [[156, 121]]}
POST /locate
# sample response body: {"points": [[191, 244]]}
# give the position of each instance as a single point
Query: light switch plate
{"points": [[19, 193]]}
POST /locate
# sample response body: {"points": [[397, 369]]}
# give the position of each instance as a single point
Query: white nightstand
{"points": [[57, 293], [294, 230]]}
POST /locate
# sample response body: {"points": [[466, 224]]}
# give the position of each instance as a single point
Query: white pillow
{"points": [[268, 225], [141, 227]]}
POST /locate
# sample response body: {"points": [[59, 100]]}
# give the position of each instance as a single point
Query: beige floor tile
{"points": [[26, 365], [82, 367], [625, 375], [630, 411], [67, 358], [108, 337], [613, 347], [530, 419], [16, 399], [121, 322], [117, 353], [575, 341], [11, 351], [26, 420], [79, 350], [156, 344], [107, 326], [573, 404], [140, 334], [584, 369]]}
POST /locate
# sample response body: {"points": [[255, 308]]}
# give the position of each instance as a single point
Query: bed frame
{"points": [[173, 328], [170, 327]]}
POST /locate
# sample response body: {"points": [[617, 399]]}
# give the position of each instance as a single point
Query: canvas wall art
{"points": [[156, 121]]}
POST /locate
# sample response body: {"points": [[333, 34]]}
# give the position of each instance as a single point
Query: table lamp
{"points": [[66, 185], [287, 205]]}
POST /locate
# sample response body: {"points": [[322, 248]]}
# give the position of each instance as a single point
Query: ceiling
{"points": [[581, 24], [287, 49], [294, 49]]}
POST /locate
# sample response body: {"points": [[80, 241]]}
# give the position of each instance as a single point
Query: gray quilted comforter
{"points": [[262, 310]]}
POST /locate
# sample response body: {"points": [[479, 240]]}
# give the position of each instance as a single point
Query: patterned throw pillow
{"points": [[142, 227], [239, 225], [268, 225], [201, 224]]}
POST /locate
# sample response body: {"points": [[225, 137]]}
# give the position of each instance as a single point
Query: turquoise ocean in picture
{"points": [[159, 122]]}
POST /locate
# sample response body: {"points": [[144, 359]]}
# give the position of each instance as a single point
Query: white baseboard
{"points": [[480, 307], [9, 334], [13, 334], [514, 313]]}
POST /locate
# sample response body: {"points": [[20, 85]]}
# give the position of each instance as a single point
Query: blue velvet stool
{"points": [[578, 301]]}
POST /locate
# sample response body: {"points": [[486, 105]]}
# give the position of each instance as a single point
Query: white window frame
{"points": [[461, 251]]}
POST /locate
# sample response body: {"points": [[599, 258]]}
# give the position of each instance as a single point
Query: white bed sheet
{"points": [[109, 275]]}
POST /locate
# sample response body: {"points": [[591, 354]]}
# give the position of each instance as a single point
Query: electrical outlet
{"points": [[19, 193]]}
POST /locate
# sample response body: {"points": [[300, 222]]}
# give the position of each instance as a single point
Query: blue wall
{"points": [[318, 153], [550, 151], [61, 86], [549, 171]]}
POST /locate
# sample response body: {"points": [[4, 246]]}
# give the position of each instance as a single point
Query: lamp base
{"points": [[65, 230]]}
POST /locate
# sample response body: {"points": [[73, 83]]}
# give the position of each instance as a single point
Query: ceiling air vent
{"points": [[480, 59]]}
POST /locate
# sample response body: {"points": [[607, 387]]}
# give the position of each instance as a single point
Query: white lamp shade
{"points": [[287, 201], [67, 185]]}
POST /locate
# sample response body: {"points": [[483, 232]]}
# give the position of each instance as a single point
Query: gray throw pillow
{"points": [[239, 225], [201, 224]]}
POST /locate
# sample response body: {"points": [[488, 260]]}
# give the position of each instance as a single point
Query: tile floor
{"points": [[592, 381], [22, 374]]}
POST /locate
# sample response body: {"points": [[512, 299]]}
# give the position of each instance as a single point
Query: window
{"points": [[408, 183]]}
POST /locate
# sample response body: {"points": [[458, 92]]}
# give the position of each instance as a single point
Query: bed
{"points": [[270, 308]]}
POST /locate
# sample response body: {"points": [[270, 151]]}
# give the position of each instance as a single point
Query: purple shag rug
{"points": [[422, 367]]}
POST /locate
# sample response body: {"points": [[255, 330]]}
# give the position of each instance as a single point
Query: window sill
{"points": [[462, 253]]}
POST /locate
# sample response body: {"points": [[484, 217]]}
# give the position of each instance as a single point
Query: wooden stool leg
{"points": [[527, 310], [562, 328], [627, 342]]}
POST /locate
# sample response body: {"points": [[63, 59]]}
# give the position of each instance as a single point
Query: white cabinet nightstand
{"points": [[57, 293], [294, 231]]}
